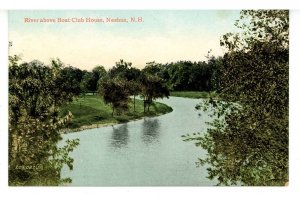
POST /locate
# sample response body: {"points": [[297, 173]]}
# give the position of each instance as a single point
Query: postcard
{"points": [[148, 97]]}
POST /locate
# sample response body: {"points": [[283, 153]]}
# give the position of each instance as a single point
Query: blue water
{"points": [[147, 152]]}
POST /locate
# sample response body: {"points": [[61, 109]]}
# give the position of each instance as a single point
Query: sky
{"points": [[163, 36]]}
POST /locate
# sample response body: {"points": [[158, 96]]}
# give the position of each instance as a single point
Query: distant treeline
{"points": [[177, 76]]}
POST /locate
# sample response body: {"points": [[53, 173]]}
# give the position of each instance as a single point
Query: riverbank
{"points": [[193, 94], [139, 147], [91, 112]]}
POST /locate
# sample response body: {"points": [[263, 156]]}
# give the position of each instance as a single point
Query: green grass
{"points": [[193, 94], [92, 110]]}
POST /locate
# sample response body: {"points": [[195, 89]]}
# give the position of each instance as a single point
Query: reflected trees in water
{"points": [[150, 131], [120, 136]]}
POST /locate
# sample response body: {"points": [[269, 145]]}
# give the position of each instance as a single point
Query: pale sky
{"points": [[163, 36]]}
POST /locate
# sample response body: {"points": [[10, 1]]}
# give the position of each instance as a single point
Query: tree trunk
{"points": [[149, 103], [134, 103], [113, 110], [144, 105]]}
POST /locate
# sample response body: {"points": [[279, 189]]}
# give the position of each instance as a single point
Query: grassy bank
{"points": [[91, 112], [193, 94]]}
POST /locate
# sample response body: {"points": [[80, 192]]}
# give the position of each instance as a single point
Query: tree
{"points": [[248, 142], [189, 76], [116, 94], [123, 70], [179, 75], [34, 125], [132, 84], [216, 65], [120, 70], [152, 88], [86, 84], [134, 88], [154, 68], [98, 72], [133, 74], [66, 82]]}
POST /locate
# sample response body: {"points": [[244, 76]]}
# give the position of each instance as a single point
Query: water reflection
{"points": [[125, 155], [120, 136], [150, 131]]}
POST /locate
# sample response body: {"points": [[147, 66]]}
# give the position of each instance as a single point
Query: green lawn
{"points": [[92, 110], [193, 94]]}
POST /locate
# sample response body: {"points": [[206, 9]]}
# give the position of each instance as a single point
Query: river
{"points": [[146, 152]]}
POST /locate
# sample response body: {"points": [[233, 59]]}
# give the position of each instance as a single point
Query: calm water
{"points": [[147, 152]]}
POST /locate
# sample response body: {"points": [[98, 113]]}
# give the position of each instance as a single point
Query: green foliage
{"points": [[248, 141], [66, 82], [125, 80], [154, 68], [34, 125], [152, 88], [98, 73], [187, 75], [123, 70], [134, 88], [130, 76], [93, 111], [90, 80], [85, 84], [116, 94]]}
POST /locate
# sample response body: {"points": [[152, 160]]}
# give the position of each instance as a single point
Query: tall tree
{"points": [[116, 94], [66, 82], [152, 88], [130, 75], [120, 70], [34, 125], [248, 143], [134, 88], [98, 72], [86, 84]]}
